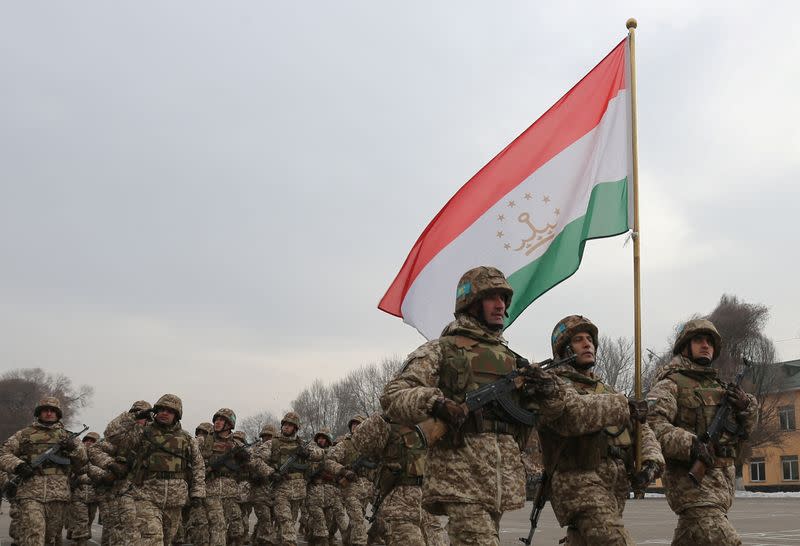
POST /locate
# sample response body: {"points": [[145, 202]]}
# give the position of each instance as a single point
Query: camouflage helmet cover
{"points": [[267, 430], [356, 419], [477, 282], [696, 327], [227, 414], [48, 402], [326, 433], [291, 418], [568, 327], [240, 435], [206, 427], [172, 402], [140, 406], [91, 436]]}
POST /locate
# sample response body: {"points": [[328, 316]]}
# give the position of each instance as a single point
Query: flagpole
{"points": [[636, 235]]}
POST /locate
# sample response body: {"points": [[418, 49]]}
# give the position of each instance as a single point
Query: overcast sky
{"points": [[211, 198]]}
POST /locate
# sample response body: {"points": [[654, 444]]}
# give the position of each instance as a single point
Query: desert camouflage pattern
{"points": [[487, 470], [116, 504], [475, 283], [222, 488], [669, 408], [261, 495], [355, 495], [38, 522], [83, 506], [705, 525], [405, 520], [693, 328], [568, 327]]}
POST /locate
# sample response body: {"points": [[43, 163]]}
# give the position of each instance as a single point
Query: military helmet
{"points": [[48, 402], [91, 436], [240, 436], [206, 427], [325, 432], [140, 406], [227, 414], [695, 327], [267, 430], [568, 327], [172, 402], [291, 418], [477, 282], [356, 419]]}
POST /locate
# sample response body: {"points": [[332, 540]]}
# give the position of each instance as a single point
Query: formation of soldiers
{"points": [[431, 452]]}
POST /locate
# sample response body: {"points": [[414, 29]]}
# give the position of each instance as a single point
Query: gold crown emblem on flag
{"points": [[532, 236]]}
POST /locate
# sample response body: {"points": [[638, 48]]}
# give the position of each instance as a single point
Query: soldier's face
{"points": [[322, 442], [287, 429], [88, 441], [494, 309], [219, 424], [702, 346], [48, 415], [166, 416], [583, 347]]}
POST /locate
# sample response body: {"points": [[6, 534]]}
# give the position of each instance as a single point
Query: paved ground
{"points": [[761, 522]]}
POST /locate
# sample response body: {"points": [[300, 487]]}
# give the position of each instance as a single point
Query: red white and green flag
{"points": [[530, 210]]}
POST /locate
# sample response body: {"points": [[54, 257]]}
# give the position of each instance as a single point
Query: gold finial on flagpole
{"points": [[630, 23]]}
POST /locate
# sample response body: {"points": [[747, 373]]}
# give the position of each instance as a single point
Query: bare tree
{"points": [[615, 363], [21, 390], [252, 425]]}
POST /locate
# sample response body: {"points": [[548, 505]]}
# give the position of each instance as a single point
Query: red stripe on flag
{"points": [[574, 115]]}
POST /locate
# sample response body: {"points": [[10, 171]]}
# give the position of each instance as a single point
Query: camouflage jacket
{"points": [[681, 405], [293, 485], [224, 481], [346, 454], [487, 468], [260, 488], [50, 483]]}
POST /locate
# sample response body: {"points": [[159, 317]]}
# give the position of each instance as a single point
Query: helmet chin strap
{"points": [[477, 312], [700, 360]]}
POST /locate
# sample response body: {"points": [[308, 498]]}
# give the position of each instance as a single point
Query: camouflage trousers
{"points": [[224, 521], [263, 531], [157, 525], [246, 509], [286, 511], [13, 514], [705, 525], [196, 526], [324, 504], [471, 523], [39, 523], [354, 498], [407, 522], [81, 516], [118, 517]]}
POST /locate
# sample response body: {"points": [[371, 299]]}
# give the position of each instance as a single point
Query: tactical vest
{"points": [[700, 395], [36, 441], [317, 473], [164, 455], [216, 447], [585, 452], [467, 365], [403, 461], [282, 449]]}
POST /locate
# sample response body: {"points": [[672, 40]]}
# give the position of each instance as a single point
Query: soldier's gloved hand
{"points": [[145, 414], [68, 445], [701, 452], [196, 502], [638, 409], [450, 412], [118, 469], [737, 397], [304, 451], [645, 476], [242, 456], [540, 383], [24, 470], [347, 475]]}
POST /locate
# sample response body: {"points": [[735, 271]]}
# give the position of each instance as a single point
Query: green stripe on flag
{"points": [[606, 216]]}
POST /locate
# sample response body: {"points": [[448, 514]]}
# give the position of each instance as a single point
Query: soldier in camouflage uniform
{"points": [[589, 459], [683, 403], [225, 458], [261, 493], [195, 520], [83, 506], [402, 452], [114, 455], [289, 489], [475, 473], [167, 470], [323, 502], [43, 496], [245, 506], [356, 495]]}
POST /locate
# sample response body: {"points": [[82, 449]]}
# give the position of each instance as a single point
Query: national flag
{"points": [[531, 209]]}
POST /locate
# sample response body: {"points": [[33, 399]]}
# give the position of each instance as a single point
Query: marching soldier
{"points": [[43, 496], [261, 493], [683, 404], [322, 498], [590, 456], [83, 507], [475, 473]]}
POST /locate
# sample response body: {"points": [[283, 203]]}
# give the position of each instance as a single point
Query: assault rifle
{"points": [[227, 460], [52, 455], [363, 462], [291, 464], [538, 505], [719, 425], [499, 391]]}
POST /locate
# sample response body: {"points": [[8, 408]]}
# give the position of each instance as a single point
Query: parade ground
{"points": [[771, 521]]}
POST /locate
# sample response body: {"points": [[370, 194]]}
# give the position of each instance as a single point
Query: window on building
{"points": [[789, 465], [758, 470], [786, 414]]}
